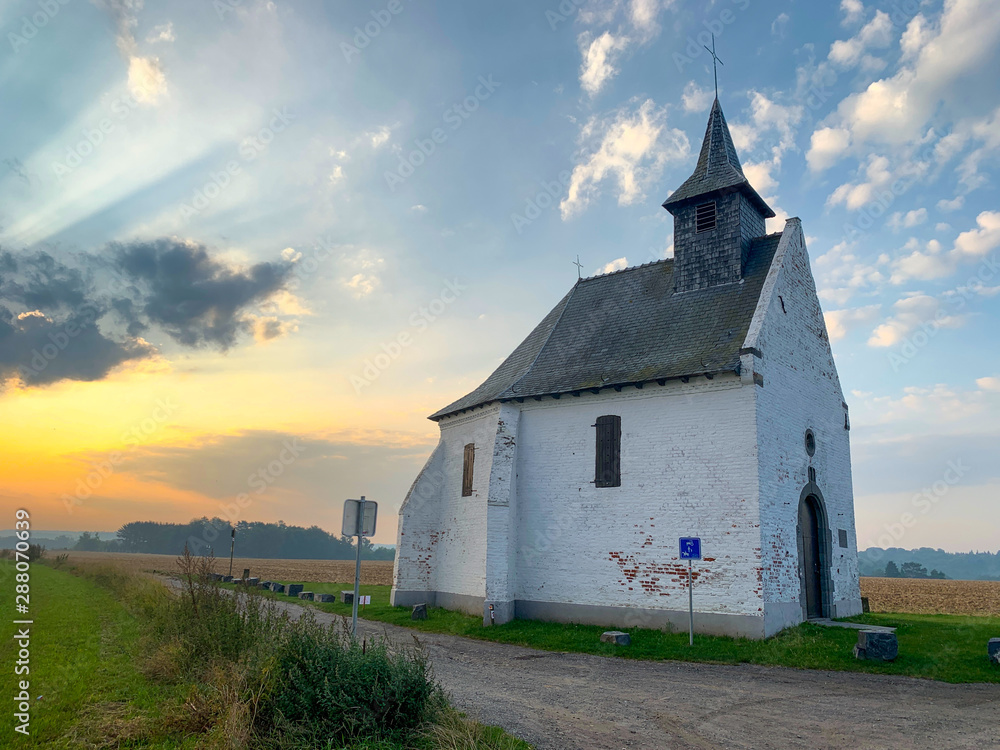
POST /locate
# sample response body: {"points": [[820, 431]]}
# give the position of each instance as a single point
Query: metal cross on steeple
{"points": [[579, 268], [715, 69]]}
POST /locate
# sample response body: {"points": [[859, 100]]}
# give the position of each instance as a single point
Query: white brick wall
{"points": [[801, 391], [688, 465]]}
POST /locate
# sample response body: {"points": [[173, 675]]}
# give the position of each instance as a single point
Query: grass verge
{"points": [[118, 661], [950, 648]]}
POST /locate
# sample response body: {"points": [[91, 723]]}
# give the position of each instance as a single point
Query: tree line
{"points": [[205, 536], [927, 562]]}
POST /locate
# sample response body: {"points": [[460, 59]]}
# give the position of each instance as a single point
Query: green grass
{"points": [[84, 651], [938, 647]]}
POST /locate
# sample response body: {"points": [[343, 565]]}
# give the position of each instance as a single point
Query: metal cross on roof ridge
{"points": [[579, 268], [715, 69]]}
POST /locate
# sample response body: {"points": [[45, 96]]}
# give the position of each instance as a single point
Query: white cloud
{"points": [[935, 405], [841, 273], [951, 205], [895, 110], [826, 146], [631, 146], [899, 220], [931, 263], [162, 33], [854, 195], [977, 243], [616, 265], [854, 11], [989, 384], [840, 322], [778, 25], [419, 209], [599, 58], [918, 32], [642, 14], [146, 79], [876, 34], [942, 226], [910, 314], [759, 175], [366, 267], [336, 174], [695, 98], [379, 137]]}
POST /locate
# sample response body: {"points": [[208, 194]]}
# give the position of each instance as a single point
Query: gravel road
{"points": [[569, 701]]}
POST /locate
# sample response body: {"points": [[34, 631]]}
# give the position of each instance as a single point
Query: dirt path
{"points": [[569, 701]]}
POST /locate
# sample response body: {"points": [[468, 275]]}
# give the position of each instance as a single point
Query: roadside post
{"points": [[691, 551], [232, 549], [359, 521]]}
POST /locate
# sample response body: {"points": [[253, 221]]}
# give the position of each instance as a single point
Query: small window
{"points": [[468, 462], [704, 217], [812, 474], [810, 443], [843, 538], [607, 465]]}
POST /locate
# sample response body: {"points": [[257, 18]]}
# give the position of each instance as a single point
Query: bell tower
{"points": [[717, 214]]}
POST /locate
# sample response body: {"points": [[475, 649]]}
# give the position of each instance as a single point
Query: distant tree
{"points": [[88, 542], [938, 574], [891, 571], [913, 570]]}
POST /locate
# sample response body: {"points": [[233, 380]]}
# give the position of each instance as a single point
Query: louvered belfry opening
{"points": [[705, 217], [607, 470], [467, 465]]}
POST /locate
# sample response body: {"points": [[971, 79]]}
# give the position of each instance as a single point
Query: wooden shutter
{"points": [[607, 464], [468, 462]]}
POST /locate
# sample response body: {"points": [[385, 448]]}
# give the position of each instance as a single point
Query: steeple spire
{"points": [[718, 168]]}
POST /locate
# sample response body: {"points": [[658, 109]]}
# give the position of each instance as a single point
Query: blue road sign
{"points": [[690, 548]]}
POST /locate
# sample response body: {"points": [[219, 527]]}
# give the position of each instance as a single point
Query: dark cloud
{"points": [[41, 351], [194, 298], [68, 320]]}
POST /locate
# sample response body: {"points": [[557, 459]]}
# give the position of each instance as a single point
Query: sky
{"points": [[247, 247]]}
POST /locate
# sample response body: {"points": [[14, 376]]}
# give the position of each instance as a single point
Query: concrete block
{"points": [[294, 589], [252, 581], [306, 595], [993, 650], [227, 579], [616, 637], [264, 584], [876, 646], [325, 598], [347, 597], [419, 612], [278, 588]]}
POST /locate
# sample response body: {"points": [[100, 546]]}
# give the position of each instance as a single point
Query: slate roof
{"points": [[718, 168], [628, 327]]}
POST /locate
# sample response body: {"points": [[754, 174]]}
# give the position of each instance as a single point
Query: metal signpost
{"points": [[232, 549], [359, 521], [690, 551]]}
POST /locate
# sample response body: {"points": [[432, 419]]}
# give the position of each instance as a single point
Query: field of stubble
{"points": [[373, 572], [923, 596]]}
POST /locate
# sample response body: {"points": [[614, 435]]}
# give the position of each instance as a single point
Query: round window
{"points": [[810, 442]]}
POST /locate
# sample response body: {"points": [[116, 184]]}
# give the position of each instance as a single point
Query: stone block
{"points": [[325, 598], [616, 637], [227, 579], [294, 589], [278, 588], [252, 581], [993, 650], [419, 612], [307, 595], [876, 646], [347, 597], [264, 584], [865, 607]]}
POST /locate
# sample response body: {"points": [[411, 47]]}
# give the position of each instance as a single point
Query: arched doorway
{"points": [[814, 555]]}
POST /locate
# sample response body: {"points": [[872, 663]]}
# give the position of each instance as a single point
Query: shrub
{"points": [[332, 686]]}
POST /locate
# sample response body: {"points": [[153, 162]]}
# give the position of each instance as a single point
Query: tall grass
{"points": [[255, 679]]}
